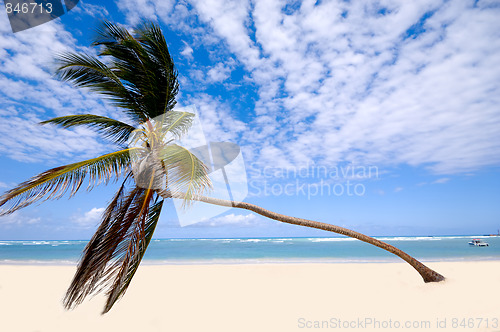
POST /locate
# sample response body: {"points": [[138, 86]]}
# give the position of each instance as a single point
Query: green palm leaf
{"points": [[161, 66], [177, 123], [83, 70], [143, 62], [138, 75], [186, 173], [153, 133], [54, 183], [115, 130]]}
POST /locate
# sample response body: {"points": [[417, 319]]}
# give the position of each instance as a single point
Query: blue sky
{"points": [[410, 89]]}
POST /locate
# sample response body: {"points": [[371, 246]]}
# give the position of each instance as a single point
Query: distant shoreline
{"points": [[328, 250], [255, 262], [380, 237]]}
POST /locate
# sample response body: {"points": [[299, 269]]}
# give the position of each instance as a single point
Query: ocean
{"points": [[264, 250]]}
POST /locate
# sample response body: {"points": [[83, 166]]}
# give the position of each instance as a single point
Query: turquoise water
{"points": [[190, 251]]}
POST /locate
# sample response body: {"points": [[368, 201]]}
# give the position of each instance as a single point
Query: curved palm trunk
{"points": [[427, 274]]}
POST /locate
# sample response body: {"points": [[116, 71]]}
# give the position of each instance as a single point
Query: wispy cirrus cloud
{"points": [[90, 9], [233, 220], [187, 52], [386, 83], [218, 120], [18, 219], [441, 181], [29, 93]]}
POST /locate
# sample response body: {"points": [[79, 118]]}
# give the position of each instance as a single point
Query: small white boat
{"points": [[478, 243]]}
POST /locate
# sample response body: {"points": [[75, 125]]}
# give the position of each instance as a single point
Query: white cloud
{"points": [[398, 189], [92, 10], [22, 139], [187, 52], [218, 73], [202, 77], [218, 121], [89, 218], [441, 181], [30, 94], [386, 83], [229, 20], [18, 219], [234, 219]]}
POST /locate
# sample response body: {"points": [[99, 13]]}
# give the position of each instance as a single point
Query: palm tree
{"points": [[137, 75]]}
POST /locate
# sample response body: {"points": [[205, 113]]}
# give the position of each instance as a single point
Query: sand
{"points": [[261, 297]]}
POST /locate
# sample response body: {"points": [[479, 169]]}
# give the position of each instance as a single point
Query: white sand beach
{"points": [[261, 297]]}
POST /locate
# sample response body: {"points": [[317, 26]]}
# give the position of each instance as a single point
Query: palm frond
{"points": [[115, 130], [109, 33], [54, 183], [99, 250], [83, 70], [151, 38], [150, 139], [142, 61], [141, 235], [114, 253], [186, 173], [177, 123], [153, 133], [138, 75]]}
